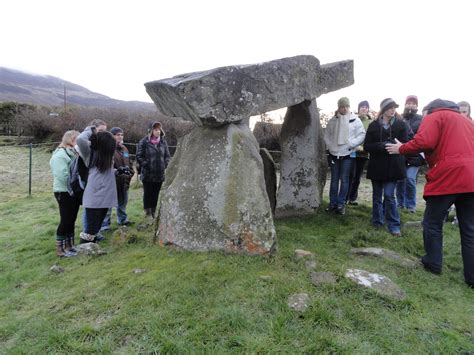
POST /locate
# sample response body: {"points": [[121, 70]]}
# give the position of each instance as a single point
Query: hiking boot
{"points": [[69, 245], [59, 248], [331, 209], [341, 210], [353, 203], [430, 268]]}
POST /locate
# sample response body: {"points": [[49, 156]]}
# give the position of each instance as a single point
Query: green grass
{"points": [[212, 302]]}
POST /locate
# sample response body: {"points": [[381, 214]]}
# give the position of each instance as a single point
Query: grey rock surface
{"points": [[56, 269], [386, 254], [379, 283], [298, 302], [230, 94], [90, 249], [269, 173], [214, 195], [310, 264], [303, 165], [300, 253], [323, 277]]}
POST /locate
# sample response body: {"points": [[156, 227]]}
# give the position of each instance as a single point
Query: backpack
{"points": [[77, 178]]}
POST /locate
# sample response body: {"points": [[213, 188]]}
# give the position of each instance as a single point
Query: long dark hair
{"points": [[105, 150]]}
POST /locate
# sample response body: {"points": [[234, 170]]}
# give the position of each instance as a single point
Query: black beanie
{"points": [[115, 130], [363, 103]]}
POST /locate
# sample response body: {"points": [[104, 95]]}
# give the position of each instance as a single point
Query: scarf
{"points": [[341, 129]]}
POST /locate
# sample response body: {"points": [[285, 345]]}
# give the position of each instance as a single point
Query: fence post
{"points": [[31, 158]]}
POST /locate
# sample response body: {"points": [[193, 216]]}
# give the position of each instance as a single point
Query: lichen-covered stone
{"points": [[386, 254], [303, 165], [231, 94], [379, 283], [214, 195]]}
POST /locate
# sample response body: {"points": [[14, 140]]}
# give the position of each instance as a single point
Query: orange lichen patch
{"points": [[245, 243]]}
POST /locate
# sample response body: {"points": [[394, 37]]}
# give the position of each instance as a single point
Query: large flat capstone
{"points": [[229, 94]]}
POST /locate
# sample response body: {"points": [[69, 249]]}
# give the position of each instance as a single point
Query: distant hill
{"points": [[48, 90]]}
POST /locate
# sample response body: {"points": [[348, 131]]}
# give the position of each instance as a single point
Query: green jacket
{"points": [[59, 163]]}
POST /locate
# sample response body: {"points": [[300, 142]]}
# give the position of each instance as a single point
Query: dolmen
{"points": [[214, 196]]}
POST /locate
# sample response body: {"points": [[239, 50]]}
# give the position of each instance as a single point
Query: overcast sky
{"points": [[113, 47]]}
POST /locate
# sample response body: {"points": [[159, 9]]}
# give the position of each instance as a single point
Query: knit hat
{"points": [[156, 124], [387, 104], [343, 102], [363, 103], [115, 130], [412, 98]]}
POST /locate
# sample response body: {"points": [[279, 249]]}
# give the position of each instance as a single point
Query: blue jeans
{"points": [[433, 220], [384, 206], [406, 189], [340, 171], [121, 213]]}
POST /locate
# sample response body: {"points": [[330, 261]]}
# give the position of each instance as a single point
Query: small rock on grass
{"points": [[298, 302], [57, 269]]}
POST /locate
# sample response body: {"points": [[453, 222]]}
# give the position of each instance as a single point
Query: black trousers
{"points": [[94, 218], [151, 190], [433, 222], [68, 208], [354, 178]]}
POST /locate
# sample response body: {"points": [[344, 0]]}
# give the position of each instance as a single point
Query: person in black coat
{"points": [[384, 169], [153, 157]]}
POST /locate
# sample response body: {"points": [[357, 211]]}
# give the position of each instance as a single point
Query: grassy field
{"points": [[211, 302]]}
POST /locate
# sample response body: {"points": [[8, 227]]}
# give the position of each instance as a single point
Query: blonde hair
{"points": [[68, 138]]}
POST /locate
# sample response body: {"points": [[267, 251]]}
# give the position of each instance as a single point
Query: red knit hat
{"points": [[412, 98]]}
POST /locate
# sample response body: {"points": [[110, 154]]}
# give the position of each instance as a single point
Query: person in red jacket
{"points": [[446, 138]]}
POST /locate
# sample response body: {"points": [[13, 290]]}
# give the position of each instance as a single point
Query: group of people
{"points": [[109, 172], [395, 147]]}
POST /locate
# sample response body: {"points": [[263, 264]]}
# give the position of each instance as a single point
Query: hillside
{"points": [[48, 90]]}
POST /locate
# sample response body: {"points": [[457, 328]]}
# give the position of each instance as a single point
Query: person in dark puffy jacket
{"points": [[406, 188], [153, 157], [384, 169]]}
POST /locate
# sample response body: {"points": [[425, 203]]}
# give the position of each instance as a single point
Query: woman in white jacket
{"points": [[342, 135]]}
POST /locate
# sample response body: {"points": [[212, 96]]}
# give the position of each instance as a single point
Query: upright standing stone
{"points": [[303, 165], [269, 172], [214, 196]]}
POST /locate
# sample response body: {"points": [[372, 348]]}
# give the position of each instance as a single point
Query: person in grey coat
{"points": [[97, 150]]}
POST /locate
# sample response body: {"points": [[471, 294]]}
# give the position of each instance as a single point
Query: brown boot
{"points": [[59, 248], [69, 245]]}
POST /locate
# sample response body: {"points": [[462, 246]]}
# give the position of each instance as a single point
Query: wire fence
{"points": [[24, 168]]}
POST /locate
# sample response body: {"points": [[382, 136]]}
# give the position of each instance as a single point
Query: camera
{"points": [[123, 170]]}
